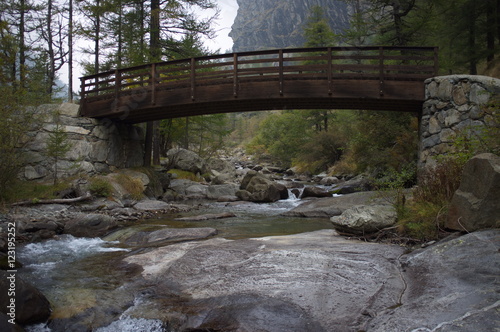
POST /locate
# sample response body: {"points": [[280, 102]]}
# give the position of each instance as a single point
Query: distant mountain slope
{"points": [[264, 24]]}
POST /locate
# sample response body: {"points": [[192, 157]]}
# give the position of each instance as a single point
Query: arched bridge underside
{"points": [[371, 78]]}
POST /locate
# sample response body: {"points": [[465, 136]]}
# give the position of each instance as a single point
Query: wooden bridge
{"points": [[371, 78]]}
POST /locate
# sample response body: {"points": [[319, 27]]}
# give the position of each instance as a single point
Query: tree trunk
{"points": [[70, 52], [22, 55], [51, 69], [97, 37], [490, 32], [154, 42], [472, 39]]}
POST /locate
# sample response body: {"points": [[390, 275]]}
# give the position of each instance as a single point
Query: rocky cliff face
{"points": [[265, 24]]}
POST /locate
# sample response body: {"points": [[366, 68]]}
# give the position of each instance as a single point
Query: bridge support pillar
{"points": [[455, 106]]}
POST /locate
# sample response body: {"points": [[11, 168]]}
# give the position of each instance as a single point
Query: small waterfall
{"points": [[295, 193]]}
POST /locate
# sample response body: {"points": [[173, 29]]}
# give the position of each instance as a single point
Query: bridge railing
{"points": [[379, 63]]}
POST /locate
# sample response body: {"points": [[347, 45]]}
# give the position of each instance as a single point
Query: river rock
{"points": [[333, 206], [357, 184], [31, 305], [256, 187], [307, 282], [90, 225], [151, 205], [187, 161], [363, 219], [314, 192], [222, 190], [5, 326], [210, 216], [329, 180], [165, 236], [476, 203]]}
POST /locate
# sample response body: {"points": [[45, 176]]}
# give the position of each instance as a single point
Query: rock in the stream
{"points": [[169, 235], [90, 225], [333, 206], [210, 216], [314, 192], [186, 160], [365, 219], [256, 187], [31, 306], [476, 203], [306, 282], [151, 205]]}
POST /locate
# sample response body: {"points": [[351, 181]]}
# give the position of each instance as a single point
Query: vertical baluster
{"points": [[381, 71], [436, 61], [281, 71], [82, 97], [153, 83], [330, 71], [235, 75], [193, 78], [118, 84]]}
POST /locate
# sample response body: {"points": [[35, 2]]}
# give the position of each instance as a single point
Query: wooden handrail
{"points": [[329, 63]]}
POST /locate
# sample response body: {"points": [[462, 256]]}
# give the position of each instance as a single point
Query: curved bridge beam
{"points": [[376, 78]]}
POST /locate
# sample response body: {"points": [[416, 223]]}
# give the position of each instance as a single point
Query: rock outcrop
{"points": [[256, 187], [90, 225], [187, 161], [265, 24], [476, 203], [321, 282]]}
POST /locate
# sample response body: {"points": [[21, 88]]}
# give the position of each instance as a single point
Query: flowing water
{"points": [[77, 274]]}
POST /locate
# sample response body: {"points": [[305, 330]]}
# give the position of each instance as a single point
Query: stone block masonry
{"points": [[96, 146], [454, 104]]}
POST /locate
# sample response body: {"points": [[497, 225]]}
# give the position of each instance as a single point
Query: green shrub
{"points": [[100, 187], [420, 220]]}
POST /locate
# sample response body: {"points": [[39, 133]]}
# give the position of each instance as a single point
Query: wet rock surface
{"points": [[334, 206], [30, 306], [307, 282], [451, 286], [321, 282]]}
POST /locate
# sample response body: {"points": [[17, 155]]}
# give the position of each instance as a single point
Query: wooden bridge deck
{"points": [[372, 78]]}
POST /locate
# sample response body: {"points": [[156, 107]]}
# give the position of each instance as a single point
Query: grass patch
{"points": [[421, 221], [185, 175], [29, 190], [133, 187], [100, 187]]}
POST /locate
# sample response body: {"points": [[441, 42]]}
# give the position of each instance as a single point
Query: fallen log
{"points": [[85, 197]]}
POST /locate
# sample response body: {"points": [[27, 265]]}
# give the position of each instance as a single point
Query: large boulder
{"points": [[256, 187], [314, 192], [364, 219], [31, 306], [215, 192], [476, 203], [333, 206], [90, 225], [187, 161]]}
